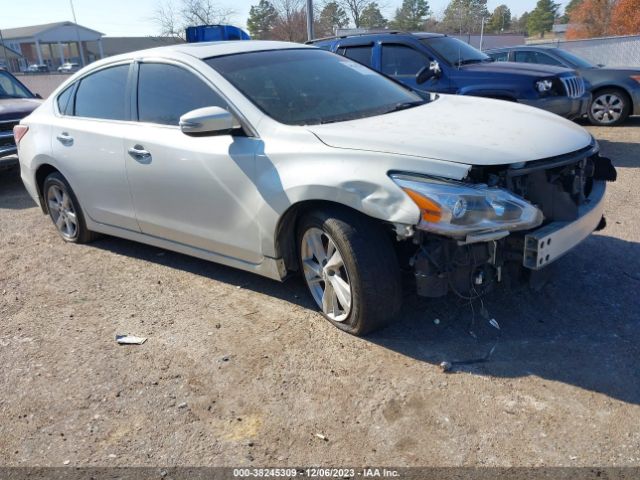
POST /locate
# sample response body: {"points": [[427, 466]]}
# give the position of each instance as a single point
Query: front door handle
{"points": [[140, 154], [65, 139]]}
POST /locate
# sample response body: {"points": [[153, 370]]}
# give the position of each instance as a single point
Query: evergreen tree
{"points": [[331, 18], [411, 16], [500, 20], [372, 17], [262, 18], [542, 18]]}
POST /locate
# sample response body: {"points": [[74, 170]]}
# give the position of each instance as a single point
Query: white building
{"points": [[53, 44]]}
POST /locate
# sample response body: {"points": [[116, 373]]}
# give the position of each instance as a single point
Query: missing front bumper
{"points": [[547, 244]]}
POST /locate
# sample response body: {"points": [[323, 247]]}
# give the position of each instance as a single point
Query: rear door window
{"points": [[166, 92], [500, 56], [402, 60], [535, 57], [360, 54], [103, 94]]}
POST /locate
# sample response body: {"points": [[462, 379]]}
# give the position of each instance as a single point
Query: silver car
{"points": [[279, 158]]}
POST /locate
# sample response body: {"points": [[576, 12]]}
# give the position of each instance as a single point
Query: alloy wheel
{"points": [[607, 108], [62, 212], [325, 274]]}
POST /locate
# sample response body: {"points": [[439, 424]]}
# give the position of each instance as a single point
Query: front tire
{"points": [[64, 210], [350, 268], [610, 107]]}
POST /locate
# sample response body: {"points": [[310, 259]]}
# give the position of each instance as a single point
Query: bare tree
{"points": [[354, 8], [173, 17], [291, 24]]}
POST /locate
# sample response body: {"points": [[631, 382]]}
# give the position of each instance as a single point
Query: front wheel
{"points": [[609, 107], [350, 268]]}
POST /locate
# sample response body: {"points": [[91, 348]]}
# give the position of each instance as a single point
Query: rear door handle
{"points": [[65, 139], [140, 154]]}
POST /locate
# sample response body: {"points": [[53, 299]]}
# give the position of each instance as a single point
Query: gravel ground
{"points": [[241, 370]]}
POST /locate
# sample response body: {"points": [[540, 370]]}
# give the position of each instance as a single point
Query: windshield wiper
{"points": [[405, 105]]}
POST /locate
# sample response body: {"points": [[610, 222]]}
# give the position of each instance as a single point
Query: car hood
{"points": [[473, 131], [15, 108], [512, 68]]}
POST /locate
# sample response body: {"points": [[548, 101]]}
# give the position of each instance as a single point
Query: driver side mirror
{"points": [[207, 120], [427, 72]]}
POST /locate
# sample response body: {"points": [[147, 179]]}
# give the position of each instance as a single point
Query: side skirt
{"points": [[270, 267]]}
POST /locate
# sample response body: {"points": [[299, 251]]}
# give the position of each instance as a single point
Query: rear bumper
{"points": [[564, 106], [547, 244]]}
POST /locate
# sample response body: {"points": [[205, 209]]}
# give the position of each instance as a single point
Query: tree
{"points": [[571, 6], [500, 20], [371, 17], [262, 19], [331, 18], [411, 15], [354, 8], [542, 18], [625, 18], [591, 18], [465, 16], [173, 17], [291, 24], [521, 25]]}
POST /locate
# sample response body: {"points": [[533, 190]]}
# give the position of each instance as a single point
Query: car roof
{"points": [[378, 33], [215, 49]]}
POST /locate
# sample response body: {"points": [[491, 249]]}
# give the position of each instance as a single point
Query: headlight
{"points": [[636, 78], [458, 209], [544, 86]]}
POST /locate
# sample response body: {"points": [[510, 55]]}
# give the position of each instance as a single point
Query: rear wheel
{"points": [[609, 107], [64, 210], [350, 268]]}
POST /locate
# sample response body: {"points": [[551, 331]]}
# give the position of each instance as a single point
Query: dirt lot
{"points": [[241, 370]]}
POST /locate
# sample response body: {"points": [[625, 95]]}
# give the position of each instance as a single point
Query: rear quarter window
{"points": [[65, 101]]}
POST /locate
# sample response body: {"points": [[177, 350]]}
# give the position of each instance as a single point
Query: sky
{"points": [[135, 17]]}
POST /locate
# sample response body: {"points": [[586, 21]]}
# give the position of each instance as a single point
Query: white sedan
{"points": [[278, 158]]}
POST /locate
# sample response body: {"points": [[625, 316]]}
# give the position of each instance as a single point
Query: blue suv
{"points": [[431, 62]]}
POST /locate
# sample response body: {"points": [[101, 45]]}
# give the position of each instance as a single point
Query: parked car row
{"points": [[616, 91], [67, 67], [551, 79], [279, 158]]}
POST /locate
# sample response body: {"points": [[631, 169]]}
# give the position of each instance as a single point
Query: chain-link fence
{"points": [[609, 51]]}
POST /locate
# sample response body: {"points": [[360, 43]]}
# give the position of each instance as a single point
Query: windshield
{"points": [[11, 88], [309, 86], [575, 60], [456, 52]]}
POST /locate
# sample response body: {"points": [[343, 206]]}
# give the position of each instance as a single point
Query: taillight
{"points": [[19, 131]]}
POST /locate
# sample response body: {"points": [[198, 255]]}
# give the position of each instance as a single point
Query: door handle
{"points": [[140, 154], [65, 139]]}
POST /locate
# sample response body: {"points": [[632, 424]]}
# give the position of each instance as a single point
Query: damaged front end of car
{"points": [[503, 222]]}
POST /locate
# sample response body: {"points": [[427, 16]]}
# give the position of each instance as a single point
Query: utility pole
{"points": [[80, 50], [481, 33], [310, 35]]}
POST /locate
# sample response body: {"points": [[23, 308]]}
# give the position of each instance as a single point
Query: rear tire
{"points": [[64, 210], [609, 107], [343, 248]]}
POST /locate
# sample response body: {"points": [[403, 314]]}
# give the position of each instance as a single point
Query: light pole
{"points": [[80, 50], [310, 35]]}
